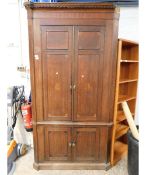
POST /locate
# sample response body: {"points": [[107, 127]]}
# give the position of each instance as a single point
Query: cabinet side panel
{"points": [[38, 70], [108, 74], [32, 78]]}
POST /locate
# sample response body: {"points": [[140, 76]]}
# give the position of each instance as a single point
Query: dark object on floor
{"points": [[133, 145], [14, 151], [15, 99]]}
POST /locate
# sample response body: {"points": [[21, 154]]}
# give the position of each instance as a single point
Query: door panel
{"points": [[57, 80], [87, 86], [89, 41], [92, 37], [56, 38], [57, 143], [86, 144], [57, 60]]}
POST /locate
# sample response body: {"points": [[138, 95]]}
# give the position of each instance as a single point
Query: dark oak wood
{"points": [[32, 75], [70, 5], [71, 165], [57, 140], [86, 144], [88, 60], [57, 60], [75, 143], [73, 79]]}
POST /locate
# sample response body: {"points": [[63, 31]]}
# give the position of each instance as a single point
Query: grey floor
{"points": [[24, 167]]}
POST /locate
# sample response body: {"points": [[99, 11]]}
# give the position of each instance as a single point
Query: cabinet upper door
{"points": [[56, 63], [89, 46]]}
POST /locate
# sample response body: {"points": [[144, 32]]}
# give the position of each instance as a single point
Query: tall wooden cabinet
{"points": [[73, 77]]}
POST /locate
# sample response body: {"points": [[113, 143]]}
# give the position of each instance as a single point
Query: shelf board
{"points": [[127, 80], [126, 42], [129, 61], [123, 98], [120, 116], [121, 130], [120, 151]]}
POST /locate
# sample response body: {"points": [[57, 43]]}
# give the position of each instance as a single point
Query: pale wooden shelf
{"points": [[125, 98], [126, 42], [129, 61], [120, 151], [127, 80], [121, 130], [120, 116]]}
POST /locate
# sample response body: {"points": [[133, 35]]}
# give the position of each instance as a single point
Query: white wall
{"points": [[17, 43], [17, 55], [13, 41], [128, 23]]}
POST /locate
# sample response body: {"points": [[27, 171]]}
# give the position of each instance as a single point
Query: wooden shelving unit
{"points": [[126, 90]]}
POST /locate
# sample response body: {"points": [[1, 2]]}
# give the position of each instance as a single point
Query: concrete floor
{"points": [[24, 167]]}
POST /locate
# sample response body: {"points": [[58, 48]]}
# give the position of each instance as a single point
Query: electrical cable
{"points": [[18, 100]]}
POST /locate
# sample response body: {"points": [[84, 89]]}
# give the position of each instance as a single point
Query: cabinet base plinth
{"points": [[71, 166]]}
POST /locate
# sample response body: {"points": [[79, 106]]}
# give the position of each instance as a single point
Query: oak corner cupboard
{"points": [[73, 60]]}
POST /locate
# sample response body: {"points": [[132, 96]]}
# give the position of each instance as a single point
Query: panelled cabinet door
{"points": [[57, 143], [56, 62], [86, 144], [89, 45]]}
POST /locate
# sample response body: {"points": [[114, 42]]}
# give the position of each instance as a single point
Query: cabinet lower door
{"points": [[57, 141], [72, 143], [86, 144]]}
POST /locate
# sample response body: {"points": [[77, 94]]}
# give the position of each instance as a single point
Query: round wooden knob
{"points": [[73, 144], [36, 57], [74, 87], [70, 144]]}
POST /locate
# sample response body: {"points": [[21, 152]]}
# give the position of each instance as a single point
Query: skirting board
{"points": [[71, 166]]}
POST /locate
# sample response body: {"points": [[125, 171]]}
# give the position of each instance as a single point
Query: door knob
{"points": [[70, 144], [36, 57], [74, 86], [73, 144]]}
